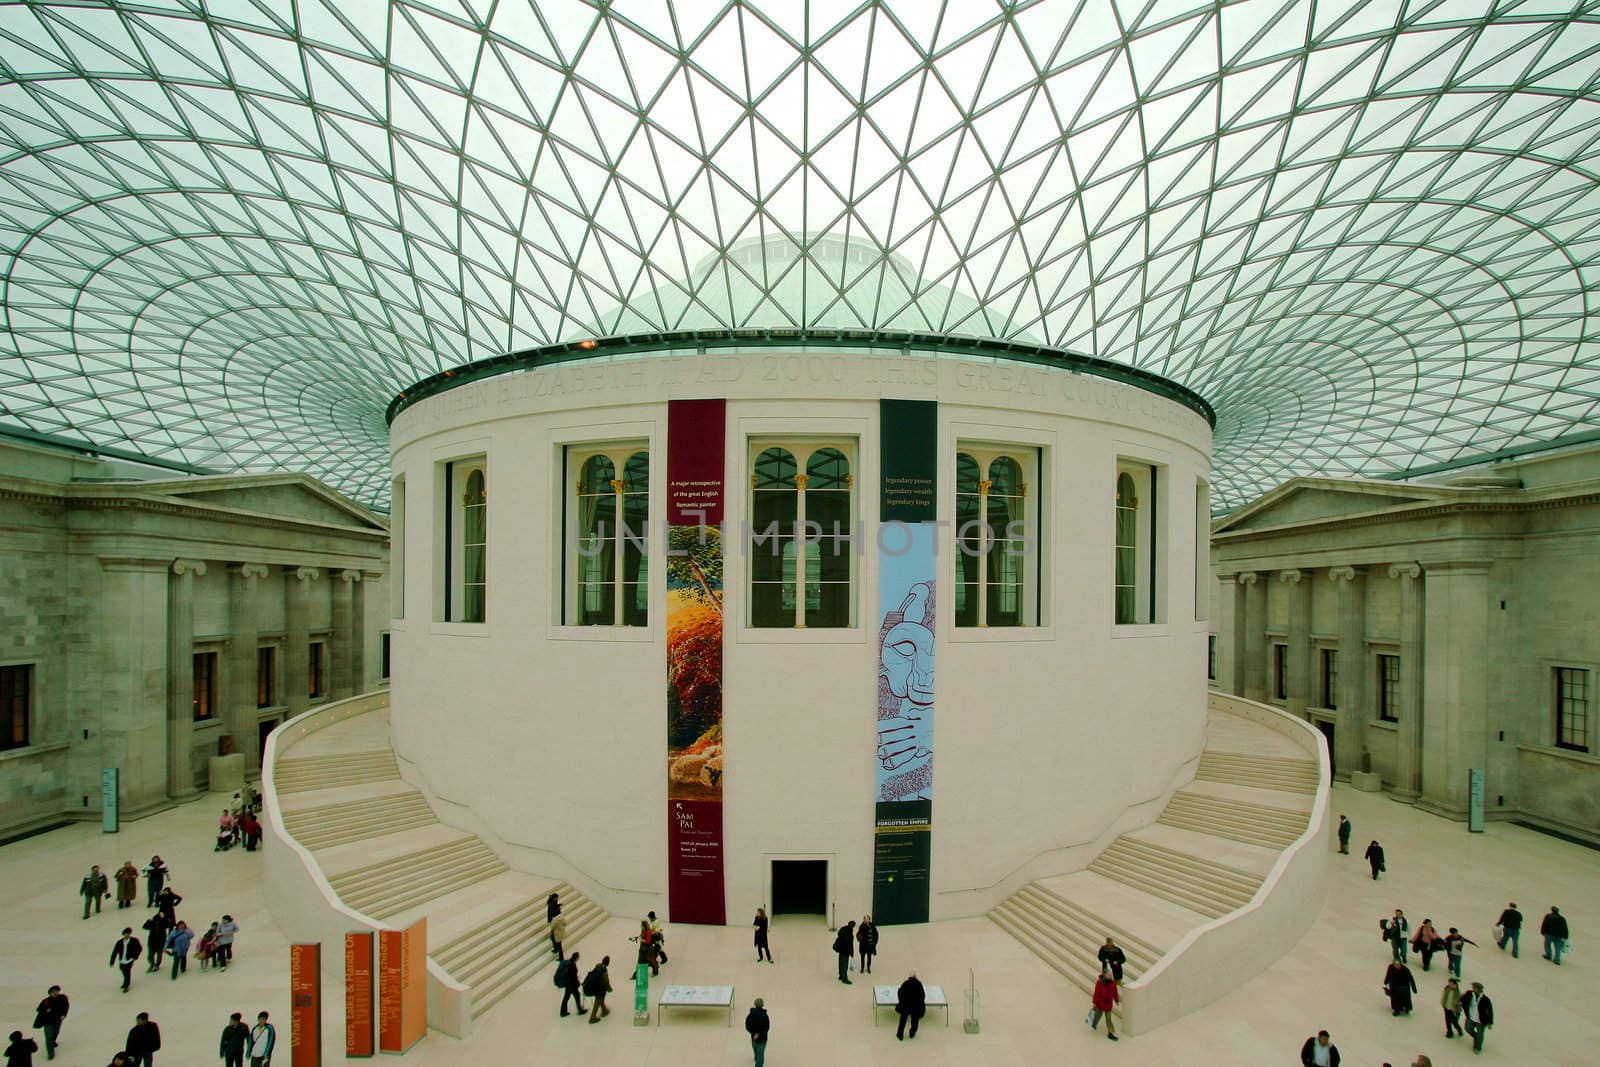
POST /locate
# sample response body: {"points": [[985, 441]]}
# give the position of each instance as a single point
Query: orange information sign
{"points": [[358, 1037], [402, 986], [305, 1005]]}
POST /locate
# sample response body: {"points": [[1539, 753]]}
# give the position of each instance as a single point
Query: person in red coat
{"points": [[1105, 999]]}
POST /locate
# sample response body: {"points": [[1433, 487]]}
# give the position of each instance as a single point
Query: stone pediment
{"points": [[1318, 499], [293, 497]]}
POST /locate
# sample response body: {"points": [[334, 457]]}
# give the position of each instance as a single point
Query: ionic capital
{"points": [[188, 566], [349, 576], [1345, 574], [307, 574], [1248, 577], [1405, 570], [1291, 576], [249, 571]]}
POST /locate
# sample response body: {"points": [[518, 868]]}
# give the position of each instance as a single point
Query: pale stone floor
{"points": [[1547, 1015]]}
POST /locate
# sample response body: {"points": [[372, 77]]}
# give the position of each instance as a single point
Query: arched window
{"points": [[474, 548], [1137, 595], [462, 558], [996, 537], [607, 537], [797, 516]]}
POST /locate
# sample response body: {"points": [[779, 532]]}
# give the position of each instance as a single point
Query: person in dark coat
{"points": [[910, 1004], [758, 1026], [156, 874], [1319, 1043], [1399, 984], [127, 877], [1554, 929], [1478, 1013], [844, 946], [571, 988], [235, 1039], [1112, 956], [20, 1052], [597, 983], [157, 928], [124, 954], [761, 935], [867, 942], [552, 907], [144, 1041], [1344, 835], [93, 889], [1510, 929], [1374, 857], [167, 904], [48, 1017]]}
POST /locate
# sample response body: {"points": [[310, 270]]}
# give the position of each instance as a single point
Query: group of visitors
{"points": [[239, 1041], [849, 940], [238, 822], [1107, 990]]}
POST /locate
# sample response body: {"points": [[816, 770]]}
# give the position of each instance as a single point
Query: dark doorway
{"points": [[264, 729], [1326, 726], [799, 887]]}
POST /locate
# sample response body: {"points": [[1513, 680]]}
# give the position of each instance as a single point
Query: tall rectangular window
{"points": [[397, 549], [606, 536], [1211, 657], [205, 685], [1136, 559], [465, 562], [802, 508], [316, 683], [266, 676], [997, 536], [1572, 708], [1202, 551], [16, 696], [1389, 688], [1280, 671], [1330, 678], [383, 656]]}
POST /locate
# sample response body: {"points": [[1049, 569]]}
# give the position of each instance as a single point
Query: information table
{"points": [[888, 996], [703, 996]]}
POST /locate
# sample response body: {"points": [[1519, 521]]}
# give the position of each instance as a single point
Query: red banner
{"points": [[305, 1005], [358, 1036], [402, 986], [695, 495]]}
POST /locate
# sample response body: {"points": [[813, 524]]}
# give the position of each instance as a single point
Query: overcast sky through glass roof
{"points": [[1367, 233]]}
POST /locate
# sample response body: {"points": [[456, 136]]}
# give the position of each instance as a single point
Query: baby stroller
{"points": [[227, 833]]}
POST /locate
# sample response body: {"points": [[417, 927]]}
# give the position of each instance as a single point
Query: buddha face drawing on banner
{"points": [[905, 698]]}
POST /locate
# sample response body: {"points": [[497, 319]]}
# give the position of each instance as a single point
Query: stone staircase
{"points": [[387, 856], [1205, 857]]}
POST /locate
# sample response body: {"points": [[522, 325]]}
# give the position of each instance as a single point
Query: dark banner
{"points": [[305, 1005], [907, 582], [695, 491], [358, 1031]]}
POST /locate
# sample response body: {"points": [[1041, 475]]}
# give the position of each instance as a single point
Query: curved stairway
{"points": [[1206, 856], [387, 856]]}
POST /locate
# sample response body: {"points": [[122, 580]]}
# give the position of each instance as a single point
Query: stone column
{"points": [[1408, 739], [1298, 651], [1230, 661], [180, 678], [244, 580], [1456, 734], [126, 681], [342, 682], [1255, 636], [1351, 715], [297, 636]]}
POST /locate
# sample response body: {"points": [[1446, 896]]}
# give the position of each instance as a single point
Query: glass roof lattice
{"points": [[1367, 233]]}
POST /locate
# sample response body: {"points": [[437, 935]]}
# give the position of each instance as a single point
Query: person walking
{"points": [[647, 951], [127, 878], [124, 954], [758, 1026], [558, 933], [552, 907], [1478, 1012], [1319, 1051], [867, 942], [48, 1017], [1394, 932], [93, 889], [1450, 1001], [1426, 942], [227, 929], [1374, 857], [1455, 943], [761, 936], [250, 826], [1399, 984], [597, 983], [156, 929], [911, 1003], [178, 945], [844, 946], [263, 1039], [144, 1041], [658, 939], [1112, 956], [1104, 999], [167, 903], [156, 874], [1510, 925], [1554, 929], [235, 1039], [568, 978], [1344, 835], [20, 1052], [205, 950]]}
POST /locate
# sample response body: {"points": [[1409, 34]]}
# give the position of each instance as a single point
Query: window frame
{"points": [[1279, 665], [385, 654], [453, 481], [1211, 657], [620, 454], [397, 548], [1328, 660], [267, 683], [17, 706], [985, 454], [803, 448], [1563, 729], [316, 669], [1388, 702], [203, 698], [1146, 549]]}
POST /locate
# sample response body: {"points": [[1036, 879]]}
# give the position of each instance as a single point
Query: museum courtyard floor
{"points": [[1028, 1014]]}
